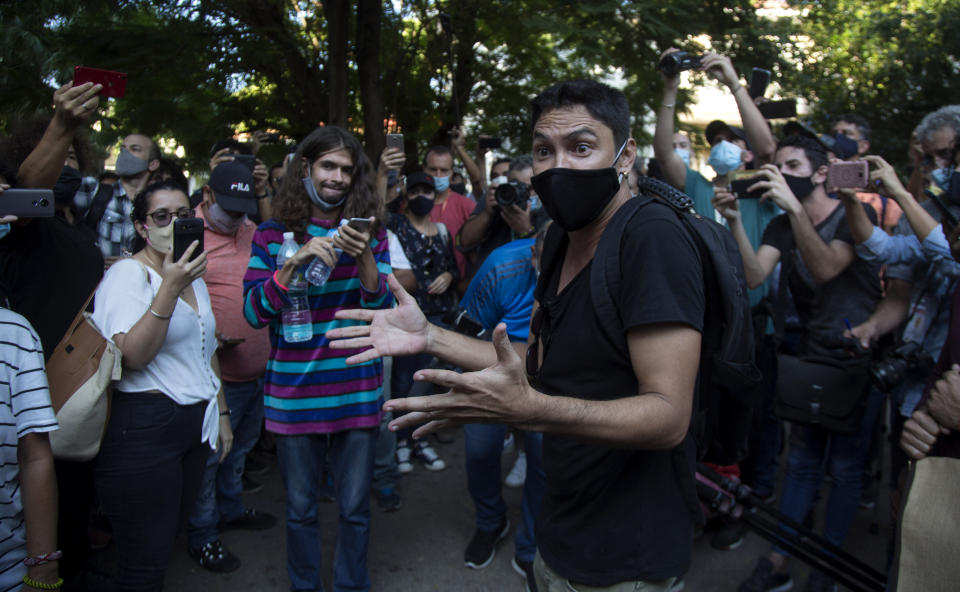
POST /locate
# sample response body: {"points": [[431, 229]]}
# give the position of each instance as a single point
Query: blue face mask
{"points": [[684, 154], [725, 157], [441, 184], [4, 230], [941, 177]]}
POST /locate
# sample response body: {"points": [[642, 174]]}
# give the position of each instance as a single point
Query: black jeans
{"points": [[147, 475]]}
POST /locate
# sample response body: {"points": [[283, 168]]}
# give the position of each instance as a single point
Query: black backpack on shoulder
{"points": [[728, 374]]}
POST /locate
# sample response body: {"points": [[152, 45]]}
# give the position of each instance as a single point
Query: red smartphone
{"points": [[114, 83], [848, 175]]}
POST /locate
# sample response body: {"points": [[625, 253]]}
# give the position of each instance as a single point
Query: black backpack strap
{"points": [[551, 256], [668, 194], [98, 206]]}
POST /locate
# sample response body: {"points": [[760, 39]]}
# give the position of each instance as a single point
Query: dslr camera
{"points": [[512, 193], [909, 359], [673, 63]]}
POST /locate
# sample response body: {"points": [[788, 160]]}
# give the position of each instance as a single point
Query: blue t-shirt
{"points": [[502, 289]]}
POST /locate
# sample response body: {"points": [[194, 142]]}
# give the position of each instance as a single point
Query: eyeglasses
{"points": [[540, 323], [163, 217]]}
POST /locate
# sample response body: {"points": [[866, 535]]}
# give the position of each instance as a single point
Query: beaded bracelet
{"points": [[41, 586], [42, 559]]}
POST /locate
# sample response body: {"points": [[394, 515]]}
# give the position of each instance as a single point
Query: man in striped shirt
{"points": [[313, 400]]}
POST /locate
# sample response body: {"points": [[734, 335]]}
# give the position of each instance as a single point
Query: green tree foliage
{"points": [[891, 62]]}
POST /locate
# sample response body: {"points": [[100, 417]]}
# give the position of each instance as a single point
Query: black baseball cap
{"points": [[232, 184], [716, 126], [420, 178]]}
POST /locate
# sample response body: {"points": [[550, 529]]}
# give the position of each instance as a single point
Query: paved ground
{"points": [[420, 547]]}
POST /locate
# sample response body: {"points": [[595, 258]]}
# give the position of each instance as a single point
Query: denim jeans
{"points": [[222, 483], [301, 463], [146, 477], [483, 445], [814, 450]]}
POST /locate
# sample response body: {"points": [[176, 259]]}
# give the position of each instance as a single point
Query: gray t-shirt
{"points": [[826, 309]]}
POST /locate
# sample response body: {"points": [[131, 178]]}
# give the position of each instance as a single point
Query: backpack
{"points": [[728, 375], [98, 206]]}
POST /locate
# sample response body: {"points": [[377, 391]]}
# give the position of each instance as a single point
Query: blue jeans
{"points": [[301, 463], [813, 451], [483, 444], [222, 484]]}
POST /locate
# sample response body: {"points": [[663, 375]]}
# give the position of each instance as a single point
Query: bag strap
{"points": [[444, 233], [98, 206]]}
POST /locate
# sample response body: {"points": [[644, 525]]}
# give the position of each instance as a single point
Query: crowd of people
{"points": [[347, 314]]}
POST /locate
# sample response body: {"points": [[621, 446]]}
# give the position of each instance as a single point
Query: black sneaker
{"points": [[483, 546], [214, 557], [729, 537], [250, 486], [525, 569], [388, 499], [763, 579], [250, 519], [252, 466]]}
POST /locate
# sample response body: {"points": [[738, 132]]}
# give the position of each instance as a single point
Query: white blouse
{"points": [[181, 369]]}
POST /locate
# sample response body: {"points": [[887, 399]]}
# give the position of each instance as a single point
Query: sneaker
{"points": [[252, 466], [729, 537], [214, 557], [249, 519], [388, 499], [403, 457], [518, 474], [483, 546], [431, 460], [819, 582], [764, 579], [250, 486], [525, 569]]}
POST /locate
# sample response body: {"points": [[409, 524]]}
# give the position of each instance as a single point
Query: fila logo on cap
{"points": [[239, 187]]}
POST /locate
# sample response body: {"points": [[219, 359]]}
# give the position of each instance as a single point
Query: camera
{"points": [[896, 366], [512, 193], [678, 61]]}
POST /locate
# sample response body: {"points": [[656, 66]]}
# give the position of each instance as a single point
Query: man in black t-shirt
{"points": [[832, 289], [615, 450]]}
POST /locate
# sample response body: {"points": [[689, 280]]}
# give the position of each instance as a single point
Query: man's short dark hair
{"points": [[863, 126], [441, 150], [521, 163], [603, 102], [499, 161], [813, 149]]}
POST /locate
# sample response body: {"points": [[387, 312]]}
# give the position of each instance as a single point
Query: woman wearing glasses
{"points": [[168, 407], [429, 248]]}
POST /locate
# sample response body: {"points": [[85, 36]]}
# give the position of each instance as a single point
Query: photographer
{"points": [[830, 286], [510, 210]]}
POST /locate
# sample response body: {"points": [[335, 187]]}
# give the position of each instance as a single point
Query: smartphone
{"points": [[361, 224], [248, 160], [27, 203], [490, 143], [784, 109], [740, 181], [395, 141], [848, 175], [114, 83], [185, 231], [759, 79], [948, 220]]}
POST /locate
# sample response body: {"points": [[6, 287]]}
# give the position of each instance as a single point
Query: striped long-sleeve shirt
{"points": [[308, 387]]}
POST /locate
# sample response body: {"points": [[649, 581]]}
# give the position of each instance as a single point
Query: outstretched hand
{"points": [[498, 394], [400, 331]]}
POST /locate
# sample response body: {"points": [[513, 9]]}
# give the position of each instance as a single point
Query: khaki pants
{"points": [[549, 581]]}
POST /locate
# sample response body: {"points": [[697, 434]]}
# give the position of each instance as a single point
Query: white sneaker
{"points": [[403, 457], [518, 474], [431, 460]]}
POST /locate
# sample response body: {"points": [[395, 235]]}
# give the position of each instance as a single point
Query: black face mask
{"points": [[575, 197], [800, 186], [67, 186], [460, 188], [419, 205]]}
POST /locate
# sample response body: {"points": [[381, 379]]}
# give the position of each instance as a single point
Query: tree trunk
{"points": [[338, 17], [368, 69]]}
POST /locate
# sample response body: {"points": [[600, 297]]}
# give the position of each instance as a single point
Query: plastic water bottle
{"points": [[318, 272], [297, 324]]}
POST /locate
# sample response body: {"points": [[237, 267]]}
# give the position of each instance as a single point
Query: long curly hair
{"points": [[292, 205]]}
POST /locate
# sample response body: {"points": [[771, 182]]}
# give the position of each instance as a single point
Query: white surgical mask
{"points": [[725, 157], [684, 154]]}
